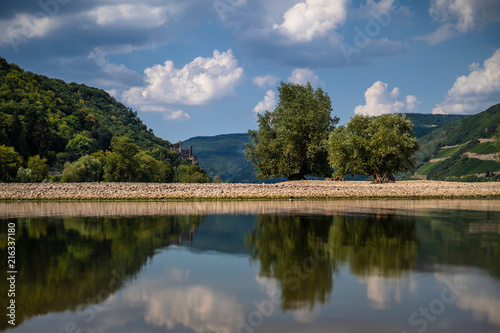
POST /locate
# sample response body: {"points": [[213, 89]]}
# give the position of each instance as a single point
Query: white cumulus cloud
{"points": [[379, 101], [460, 16], [476, 91], [302, 76], [313, 18], [265, 81], [267, 104], [202, 81]]}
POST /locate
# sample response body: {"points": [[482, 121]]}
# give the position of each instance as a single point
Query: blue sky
{"points": [[207, 67]]}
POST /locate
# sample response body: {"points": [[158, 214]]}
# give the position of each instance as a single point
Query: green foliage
{"points": [[86, 169], [289, 141], [427, 168], [83, 260], [286, 247], [424, 123], [448, 152], [47, 117], [151, 170], [121, 165], [472, 165], [224, 155], [497, 139], [127, 164], [469, 179], [189, 173], [484, 148], [481, 125], [82, 144], [39, 167], [10, 161], [25, 175], [378, 147], [385, 246], [458, 164]]}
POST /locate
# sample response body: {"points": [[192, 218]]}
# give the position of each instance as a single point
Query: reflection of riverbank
{"points": [[156, 208], [285, 190], [66, 262]]}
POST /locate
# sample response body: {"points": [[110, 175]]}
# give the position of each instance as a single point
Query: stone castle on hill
{"points": [[185, 153]]}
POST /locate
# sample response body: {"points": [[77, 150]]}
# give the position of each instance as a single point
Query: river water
{"points": [[261, 266]]}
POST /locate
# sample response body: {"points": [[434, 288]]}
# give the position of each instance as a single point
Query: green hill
{"points": [[481, 125], [223, 155], [424, 123], [40, 115], [455, 145]]}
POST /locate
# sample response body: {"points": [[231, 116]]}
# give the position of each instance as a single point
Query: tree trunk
{"points": [[383, 177]]}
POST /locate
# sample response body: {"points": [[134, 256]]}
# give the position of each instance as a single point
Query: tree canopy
{"points": [[378, 147], [289, 141], [10, 161]]}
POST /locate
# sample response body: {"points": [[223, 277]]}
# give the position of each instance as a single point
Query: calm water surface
{"points": [[327, 266]]}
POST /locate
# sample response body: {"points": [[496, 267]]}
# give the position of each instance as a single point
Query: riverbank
{"points": [[286, 190]]}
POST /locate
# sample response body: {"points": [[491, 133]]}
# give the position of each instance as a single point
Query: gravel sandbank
{"points": [[286, 190]]}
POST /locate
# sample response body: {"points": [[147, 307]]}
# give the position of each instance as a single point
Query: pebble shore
{"points": [[286, 190]]}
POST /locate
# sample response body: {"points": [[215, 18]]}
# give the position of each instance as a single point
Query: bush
{"points": [[191, 174], [151, 170], [86, 169], [25, 175]]}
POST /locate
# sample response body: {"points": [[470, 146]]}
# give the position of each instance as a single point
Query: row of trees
{"points": [[124, 163], [299, 139]]}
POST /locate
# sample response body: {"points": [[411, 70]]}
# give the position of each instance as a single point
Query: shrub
{"points": [[86, 169], [25, 175]]}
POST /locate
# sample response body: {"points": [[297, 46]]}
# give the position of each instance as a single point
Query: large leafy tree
{"points": [[10, 161], [289, 141], [39, 167], [378, 147], [82, 144], [121, 165]]}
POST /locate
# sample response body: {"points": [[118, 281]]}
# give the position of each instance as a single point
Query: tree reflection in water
{"points": [[378, 245], [67, 263], [302, 252]]}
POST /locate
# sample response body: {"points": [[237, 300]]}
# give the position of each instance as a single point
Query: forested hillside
{"points": [[39, 115], [424, 123], [481, 125], [462, 148], [46, 123]]}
